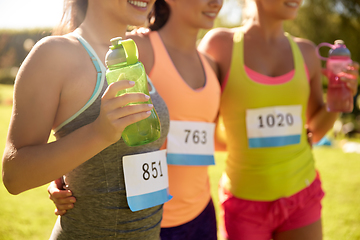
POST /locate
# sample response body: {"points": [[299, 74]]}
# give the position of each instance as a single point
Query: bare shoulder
{"points": [[221, 32], [306, 46], [54, 52], [218, 45], [308, 50], [139, 38], [53, 61], [142, 42], [56, 47], [217, 37]]}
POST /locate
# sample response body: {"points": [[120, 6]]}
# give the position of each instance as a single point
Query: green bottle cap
{"points": [[131, 51], [122, 51]]}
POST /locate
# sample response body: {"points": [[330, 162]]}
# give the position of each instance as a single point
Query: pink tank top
{"points": [[263, 79]]}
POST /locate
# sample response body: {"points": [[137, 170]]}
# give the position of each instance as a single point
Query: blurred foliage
{"points": [[14, 47], [328, 20], [317, 20]]}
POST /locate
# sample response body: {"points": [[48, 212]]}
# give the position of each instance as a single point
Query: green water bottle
{"points": [[123, 64]]}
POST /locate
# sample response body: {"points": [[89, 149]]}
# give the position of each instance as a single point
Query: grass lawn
{"points": [[30, 214]]}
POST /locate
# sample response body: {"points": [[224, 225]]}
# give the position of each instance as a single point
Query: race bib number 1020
{"points": [[274, 126]]}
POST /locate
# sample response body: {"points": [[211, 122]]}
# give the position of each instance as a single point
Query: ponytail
{"points": [[159, 16], [73, 15]]}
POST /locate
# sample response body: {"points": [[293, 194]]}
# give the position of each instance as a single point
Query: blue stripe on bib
{"points": [[190, 159], [140, 202], [274, 141]]}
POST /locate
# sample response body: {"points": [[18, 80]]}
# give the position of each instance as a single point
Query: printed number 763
{"points": [[197, 136]]}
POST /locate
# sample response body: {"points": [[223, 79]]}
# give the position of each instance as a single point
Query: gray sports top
{"points": [[101, 210]]}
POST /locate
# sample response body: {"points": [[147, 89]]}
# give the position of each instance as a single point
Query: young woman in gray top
{"points": [[61, 86]]}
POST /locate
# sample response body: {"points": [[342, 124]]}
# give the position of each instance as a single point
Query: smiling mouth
{"points": [[292, 4], [211, 14], [138, 3]]}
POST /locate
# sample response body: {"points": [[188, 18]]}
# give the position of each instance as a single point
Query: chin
{"points": [[288, 17], [206, 25], [291, 17], [138, 22]]}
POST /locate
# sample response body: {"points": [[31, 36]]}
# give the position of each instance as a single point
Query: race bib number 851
{"points": [[274, 126], [146, 180]]}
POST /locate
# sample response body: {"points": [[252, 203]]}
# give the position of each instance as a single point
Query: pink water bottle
{"points": [[339, 97]]}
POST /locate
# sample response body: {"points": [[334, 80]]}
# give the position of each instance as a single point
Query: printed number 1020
{"points": [[279, 120]]}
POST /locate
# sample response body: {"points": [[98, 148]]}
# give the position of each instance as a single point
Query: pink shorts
{"points": [[257, 220]]}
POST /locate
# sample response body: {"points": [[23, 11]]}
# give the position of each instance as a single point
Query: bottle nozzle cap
{"points": [[339, 41], [115, 42], [339, 49], [122, 51]]}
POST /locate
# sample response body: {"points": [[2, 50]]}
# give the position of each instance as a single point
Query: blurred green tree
{"points": [[328, 20]]}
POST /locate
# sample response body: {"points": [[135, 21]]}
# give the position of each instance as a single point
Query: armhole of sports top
{"points": [[152, 91], [224, 81], [100, 69]]}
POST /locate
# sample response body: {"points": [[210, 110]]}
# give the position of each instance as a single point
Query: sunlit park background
{"points": [[30, 214]]}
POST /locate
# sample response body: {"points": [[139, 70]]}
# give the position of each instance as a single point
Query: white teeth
{"points": [[211, 14], [137, 3], [292, 4]]}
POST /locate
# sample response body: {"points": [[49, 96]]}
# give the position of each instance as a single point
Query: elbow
{"points": [[10, 185], [10, 177]]}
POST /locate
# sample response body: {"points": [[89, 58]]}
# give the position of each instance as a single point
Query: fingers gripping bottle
{"points": [[123, 64], [339, 97]]}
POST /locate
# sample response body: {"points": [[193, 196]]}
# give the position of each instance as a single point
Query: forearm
{"points": [[321, 122], [33, 166]]}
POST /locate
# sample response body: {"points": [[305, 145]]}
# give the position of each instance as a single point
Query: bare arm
{"points": [[217, 45], [28, 160], [319, 121]]}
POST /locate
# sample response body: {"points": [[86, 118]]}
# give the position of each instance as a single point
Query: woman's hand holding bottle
{"points": [[350, 76], [116, 113]]}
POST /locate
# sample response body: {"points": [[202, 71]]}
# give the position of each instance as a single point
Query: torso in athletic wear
{"points": [[268, 152], [188, 184], [101, 210]]}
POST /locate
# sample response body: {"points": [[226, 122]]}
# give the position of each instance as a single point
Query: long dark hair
{"points": [[159, 15], [73, 15]]}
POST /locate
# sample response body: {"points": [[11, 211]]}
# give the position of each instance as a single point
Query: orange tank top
{"points": [[189, 185]]}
